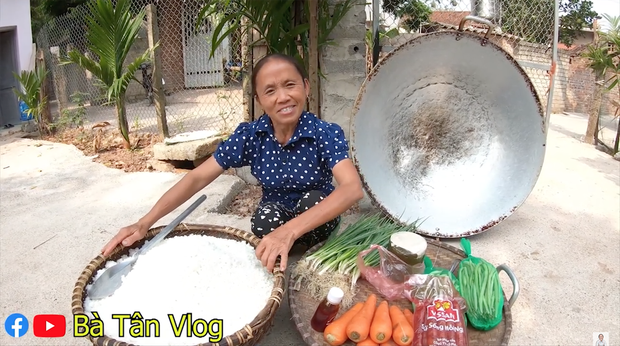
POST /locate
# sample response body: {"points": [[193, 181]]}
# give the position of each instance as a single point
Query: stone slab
{"points": [[186, 151], [161, 166]]}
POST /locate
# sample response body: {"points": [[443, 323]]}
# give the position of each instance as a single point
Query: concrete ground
{"points": [[57, 209]]}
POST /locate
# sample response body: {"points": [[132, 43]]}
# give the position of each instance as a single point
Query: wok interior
{"points": [[449, 131]]}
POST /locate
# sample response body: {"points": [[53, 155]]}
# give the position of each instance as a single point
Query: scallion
{"points": [[335, 263]]}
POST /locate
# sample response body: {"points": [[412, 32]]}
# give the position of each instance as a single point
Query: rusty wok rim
{"points": [[457, 35], [250, 334]]}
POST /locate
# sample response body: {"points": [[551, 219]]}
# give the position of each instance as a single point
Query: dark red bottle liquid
{"points": [[327, 310]]}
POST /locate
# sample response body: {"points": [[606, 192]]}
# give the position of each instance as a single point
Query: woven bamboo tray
{"points": [[250, 335], [443, 255]]}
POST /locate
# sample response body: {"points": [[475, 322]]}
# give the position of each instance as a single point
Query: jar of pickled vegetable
{"points": [[409, 248]]}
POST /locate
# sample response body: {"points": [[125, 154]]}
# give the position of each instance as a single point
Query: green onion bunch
{"points": [[339, 254]]}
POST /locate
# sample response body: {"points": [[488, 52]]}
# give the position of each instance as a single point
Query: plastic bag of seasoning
{"points": [[390, 277], [482, 289], [439, 311]]}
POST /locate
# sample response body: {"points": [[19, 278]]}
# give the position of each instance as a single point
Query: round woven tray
{"points": [[250, 335], [443, 255]]}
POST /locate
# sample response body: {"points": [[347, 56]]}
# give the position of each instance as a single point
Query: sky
{"points": [[610, 7]]}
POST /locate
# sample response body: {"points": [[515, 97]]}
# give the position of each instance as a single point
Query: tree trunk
{"points": [[617, 139], [594, 112], [121, 112]]}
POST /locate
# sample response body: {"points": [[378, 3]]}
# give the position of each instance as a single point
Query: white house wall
{"points": [[16, 13]]}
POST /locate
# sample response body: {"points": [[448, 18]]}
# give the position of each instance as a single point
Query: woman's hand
{"points": [[127, 235], [277, 243]]}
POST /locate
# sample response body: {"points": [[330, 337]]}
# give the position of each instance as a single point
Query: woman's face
{"points": [[600, 337], [281, 91]]}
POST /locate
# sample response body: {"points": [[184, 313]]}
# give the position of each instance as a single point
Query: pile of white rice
{"points": [[211, 278]]}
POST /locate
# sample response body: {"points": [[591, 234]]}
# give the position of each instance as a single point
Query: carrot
{"points": [[367, 342], [381, 326], [336, 332], [402, 334], [389, 343], [409, 316], [359, 327]]}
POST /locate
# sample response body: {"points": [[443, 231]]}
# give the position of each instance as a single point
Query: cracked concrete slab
{"points": [[58, 208]]}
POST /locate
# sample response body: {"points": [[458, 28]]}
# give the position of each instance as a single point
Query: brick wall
{"points": [[574, 81], [580, 86], [533, 53]]}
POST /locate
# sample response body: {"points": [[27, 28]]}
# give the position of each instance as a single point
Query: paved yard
{"points": [[58, 208], [187, 110]]}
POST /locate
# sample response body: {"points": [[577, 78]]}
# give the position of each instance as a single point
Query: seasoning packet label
{"points": [[439, 317]]}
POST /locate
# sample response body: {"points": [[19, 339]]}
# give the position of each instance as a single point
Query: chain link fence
{"points": [[524, 28], [200, 93]]}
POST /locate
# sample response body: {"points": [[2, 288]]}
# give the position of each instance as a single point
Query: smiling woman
{"points": [[293, 154]]}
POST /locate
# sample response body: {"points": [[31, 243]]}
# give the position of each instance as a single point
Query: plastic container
{"points": [[23, 109], [409, 248], [327, 310]]}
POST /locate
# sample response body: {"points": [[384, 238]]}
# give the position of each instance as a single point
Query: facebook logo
{"points": [[16, 325]]}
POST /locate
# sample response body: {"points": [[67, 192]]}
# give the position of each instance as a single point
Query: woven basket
{"points": [[250, 335], [443, 255]]}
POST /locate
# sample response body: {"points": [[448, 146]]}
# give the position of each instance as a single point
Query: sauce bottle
{"points": [[327, 310]]}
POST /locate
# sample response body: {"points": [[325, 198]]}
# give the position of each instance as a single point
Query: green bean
{"points": [[480, 288]]}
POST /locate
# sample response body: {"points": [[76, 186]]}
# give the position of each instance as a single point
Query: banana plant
{"points": [[111, 32]]}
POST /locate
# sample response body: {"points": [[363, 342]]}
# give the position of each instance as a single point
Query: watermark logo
{"points": [[16, 325], [600, 339], [49, 326]]}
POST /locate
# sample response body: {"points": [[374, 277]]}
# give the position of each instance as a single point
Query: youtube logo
{"points": [[49, 326]]}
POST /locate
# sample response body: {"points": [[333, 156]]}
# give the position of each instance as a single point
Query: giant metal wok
{"points": [[448, 130]]}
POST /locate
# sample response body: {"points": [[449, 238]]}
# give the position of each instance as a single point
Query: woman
{"points": [[600, 341], [292, 154]]}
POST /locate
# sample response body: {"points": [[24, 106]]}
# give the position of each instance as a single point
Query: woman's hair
{"points": [[601, 335], [291, 60]]}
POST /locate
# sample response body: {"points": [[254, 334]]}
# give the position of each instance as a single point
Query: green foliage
{"points": [[38, 17], [111, 32], [579, 15], [393, 32], [604, 60], [31, 82], [274, 21], [533, 20], [73, 117], [604, 57], [414, 12], [56, 8], [421, 14]]}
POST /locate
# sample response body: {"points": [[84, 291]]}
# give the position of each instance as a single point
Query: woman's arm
{"points": [[346, 194], [189, 185]]}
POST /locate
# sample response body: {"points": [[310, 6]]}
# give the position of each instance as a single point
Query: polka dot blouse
{"points": [[286, 172]]}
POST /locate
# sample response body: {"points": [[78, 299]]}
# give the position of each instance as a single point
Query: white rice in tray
{"points": [[209, 277]]}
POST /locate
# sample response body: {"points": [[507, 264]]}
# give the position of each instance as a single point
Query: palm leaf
{"points": [[31, 82], [78, 58], [121, 84]]}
